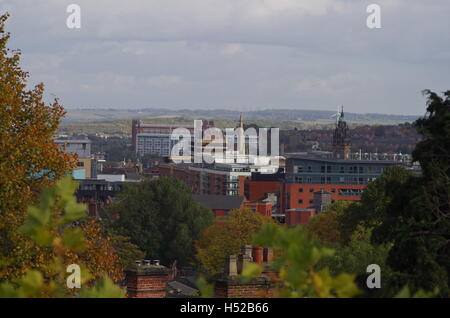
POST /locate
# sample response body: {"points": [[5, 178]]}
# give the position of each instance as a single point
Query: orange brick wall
{"points": [[295, 195], [256, 190], [264, 209], [299, 217]]}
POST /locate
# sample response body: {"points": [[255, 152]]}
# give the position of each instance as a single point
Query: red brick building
{"points": [[263, 208], [218, 179]]}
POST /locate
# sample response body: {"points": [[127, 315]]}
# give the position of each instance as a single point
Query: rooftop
{"points": [[348, 161], [225, 202], [73, 141]]}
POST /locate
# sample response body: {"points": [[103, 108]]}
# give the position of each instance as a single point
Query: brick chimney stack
{"points": [[147, 279], [231, 284]]}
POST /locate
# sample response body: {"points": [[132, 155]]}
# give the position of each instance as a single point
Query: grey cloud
{"points": [[243, 54]]}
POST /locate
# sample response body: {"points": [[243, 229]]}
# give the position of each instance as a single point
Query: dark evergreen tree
{"points": [[417, 221]]}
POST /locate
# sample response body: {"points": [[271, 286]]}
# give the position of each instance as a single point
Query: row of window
{"points": [[356, 192], [333, 180], [340, 169], [312, 190], [300, 201]]}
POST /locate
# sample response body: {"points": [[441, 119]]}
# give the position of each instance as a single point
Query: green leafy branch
{"points": [[53, 224]]}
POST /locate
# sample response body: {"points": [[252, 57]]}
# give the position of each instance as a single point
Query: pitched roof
{"points": [[222, 202]]}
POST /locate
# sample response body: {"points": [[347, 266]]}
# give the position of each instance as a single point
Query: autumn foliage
{"points": [[29, 162], [226, 237]]}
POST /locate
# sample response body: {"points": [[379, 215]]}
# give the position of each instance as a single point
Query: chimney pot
{"points": [[231, 266], [246, 250], [258, 254], [147, 262], [156, 262]]}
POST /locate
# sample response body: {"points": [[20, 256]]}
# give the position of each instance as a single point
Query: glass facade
{"points": [[345, 172]]}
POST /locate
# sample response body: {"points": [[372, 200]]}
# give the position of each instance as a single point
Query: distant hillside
{"points": [[123, 127], [90, 115]]}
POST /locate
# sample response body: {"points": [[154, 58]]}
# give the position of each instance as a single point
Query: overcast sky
{"points": [[236, 54]]}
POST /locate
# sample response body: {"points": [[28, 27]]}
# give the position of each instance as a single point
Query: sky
{"points": [[235, 54]]}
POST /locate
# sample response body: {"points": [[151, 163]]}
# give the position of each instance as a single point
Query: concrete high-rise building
{"points": [[154, 139]]}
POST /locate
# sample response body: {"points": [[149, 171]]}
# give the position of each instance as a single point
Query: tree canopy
{"points": [[161, 217], [417, 221], [52, 225], [29, 162], [226, 237]]}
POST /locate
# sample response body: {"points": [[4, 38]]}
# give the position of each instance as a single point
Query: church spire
{"points": [[341, 138], [241, 146], [341, 113]]}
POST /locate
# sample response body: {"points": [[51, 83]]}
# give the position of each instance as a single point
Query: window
{"points": [[311, 201], [80, 164], [300, 189], [311, 190], [298, 179], [300, 201]]}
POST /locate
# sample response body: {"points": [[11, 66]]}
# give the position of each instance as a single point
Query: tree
{"points": [[372, 210], [161, 217], [418, 217], [127, 252], [356, 255], [297, 265], [226, 237], [29, 162], [53, 226], [29, 159], [325, 226]]}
